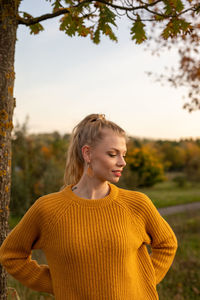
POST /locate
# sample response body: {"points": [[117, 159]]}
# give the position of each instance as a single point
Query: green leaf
{"points": [[107, 30], [70, 23], [36, 28], [75, 23], [179, 5], [84, 31], [138, 32], [107, 15], [172, 6], [159, 18], [175, 27], [168, 9], [96, 38], [106, 18], [56, 5]]}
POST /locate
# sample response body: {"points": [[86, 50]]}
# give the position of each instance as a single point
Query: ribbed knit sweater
{"points": [[95, 249]]}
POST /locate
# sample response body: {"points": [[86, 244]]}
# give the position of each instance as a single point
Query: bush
{"points": [[145, 167], [180, 181]]}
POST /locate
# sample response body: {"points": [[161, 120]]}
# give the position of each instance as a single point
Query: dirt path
{"points": [[178, 208]]}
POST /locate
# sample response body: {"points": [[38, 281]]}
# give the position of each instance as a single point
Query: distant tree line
{"points": [[38, 163]]}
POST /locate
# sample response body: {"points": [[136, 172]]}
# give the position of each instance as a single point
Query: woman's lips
{"points": [[117, 173]]}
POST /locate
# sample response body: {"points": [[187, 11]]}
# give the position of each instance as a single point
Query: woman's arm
{"points": [[160, 236], [15, 252]]}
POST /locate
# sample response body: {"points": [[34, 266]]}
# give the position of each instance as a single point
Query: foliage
{"points": [[138, 32], [93, 18], [181, 156], [187, 74], [145, 167], [192, 165], [192, 169], [37, 167], [173, 156]]}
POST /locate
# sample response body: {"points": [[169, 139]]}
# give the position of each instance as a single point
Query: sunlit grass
{"points": [[168, 193], [182, 282], [20, 292]]}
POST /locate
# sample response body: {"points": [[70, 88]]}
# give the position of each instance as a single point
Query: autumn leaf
{"points": [[175, 27], [106, 19], [138, 32], [36, 28]]}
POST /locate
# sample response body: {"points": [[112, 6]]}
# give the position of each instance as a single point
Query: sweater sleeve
{"points": [[15, 252], [160, 236]]}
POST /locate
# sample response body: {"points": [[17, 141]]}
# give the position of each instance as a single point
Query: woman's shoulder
{"points": [[54, 196], [134, 200], [133, 195], [51, 204]]}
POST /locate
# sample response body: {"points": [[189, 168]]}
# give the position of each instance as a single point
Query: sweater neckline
{"points": [[107, 200]]}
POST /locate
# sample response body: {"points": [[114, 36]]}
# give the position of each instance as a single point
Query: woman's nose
{"points": [[121, 162]]}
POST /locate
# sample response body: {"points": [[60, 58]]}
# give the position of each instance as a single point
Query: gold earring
{"points": [[89, 171]]}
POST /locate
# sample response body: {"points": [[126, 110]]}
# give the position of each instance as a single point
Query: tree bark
{"points": [[8, 28]]}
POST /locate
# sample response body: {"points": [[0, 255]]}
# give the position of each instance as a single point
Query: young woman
{"points": [[94, 234]]}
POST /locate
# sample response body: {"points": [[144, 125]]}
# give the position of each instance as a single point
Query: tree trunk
{"points": [[8, 28]]}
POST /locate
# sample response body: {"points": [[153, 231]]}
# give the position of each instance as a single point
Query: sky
{"points": [[60, 80]]}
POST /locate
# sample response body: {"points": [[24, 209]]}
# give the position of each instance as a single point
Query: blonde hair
{"points": [[88, 131]]}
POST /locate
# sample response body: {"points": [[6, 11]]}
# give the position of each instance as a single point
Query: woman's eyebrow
{"points": [[117, 150]]}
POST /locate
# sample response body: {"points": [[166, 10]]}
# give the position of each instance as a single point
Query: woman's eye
{"points": [[112, 155]]}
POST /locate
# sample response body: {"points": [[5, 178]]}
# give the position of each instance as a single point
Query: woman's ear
{"points": [[86, 152]]}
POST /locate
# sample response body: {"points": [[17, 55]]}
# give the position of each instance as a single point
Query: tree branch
{"points": [[36, 20], [131, 8], [135, 19], [159, 14], [27, 22], [128, 8], [33, 21], [193, 8]]}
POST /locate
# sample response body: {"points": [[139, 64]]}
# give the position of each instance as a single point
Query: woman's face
{"points": [[107, 157]]}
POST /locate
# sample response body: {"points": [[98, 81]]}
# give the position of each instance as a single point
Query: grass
{"points": [[20, 292], [182, 281], [168, 194]]}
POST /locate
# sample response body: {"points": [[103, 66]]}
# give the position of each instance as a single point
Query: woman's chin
{"points": [[114, 180]]}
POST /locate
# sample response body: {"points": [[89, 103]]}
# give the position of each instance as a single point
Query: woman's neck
{"points": [[90, 189]]}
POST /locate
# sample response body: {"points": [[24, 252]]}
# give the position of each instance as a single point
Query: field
{"points": [[182, 282], [168, 193]]}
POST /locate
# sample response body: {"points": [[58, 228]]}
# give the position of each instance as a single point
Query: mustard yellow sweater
{"points": [[95, 249]]}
